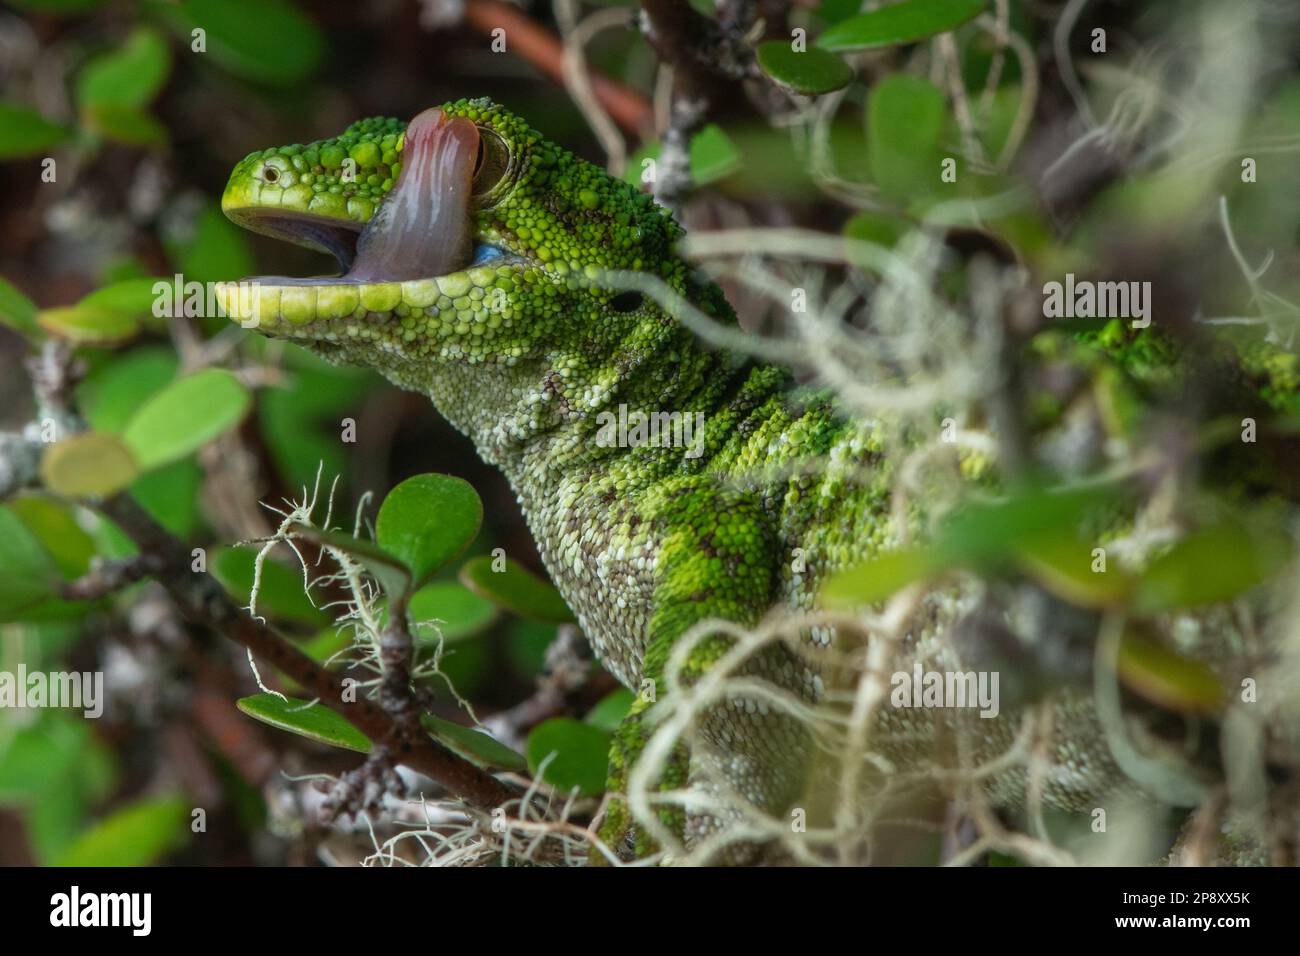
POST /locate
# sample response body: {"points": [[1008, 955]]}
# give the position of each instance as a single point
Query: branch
{"points": [[543, 49], [203, 601]]}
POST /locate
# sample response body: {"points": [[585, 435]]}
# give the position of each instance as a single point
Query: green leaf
{"points": [[129, 76], [269, 41], [880, 577], [905, 22], [474, 745], [905, 118], [171, 495], [25, 132], [877, 229], [812, 71], [185, 416], [114, 392], [280, 594], [314, 721], [89, 324], [16, 310], [391, 572], [713, 156], [427, 520], [460, 613], [1166, 678], [516, 589], [1063, 564], [54, 524], [137, 835], [1216, 563], [126, 124], [609, 713], [134, 296], [91, 464], [581, 755]]}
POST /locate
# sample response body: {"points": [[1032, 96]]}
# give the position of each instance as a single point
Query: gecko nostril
{"points": [[270, 174]]}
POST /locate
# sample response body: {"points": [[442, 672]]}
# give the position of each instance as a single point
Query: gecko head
{"points": [[460, 236]]}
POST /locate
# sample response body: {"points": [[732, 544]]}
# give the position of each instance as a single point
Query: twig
{"points": [[540, 47], [203, 601]]}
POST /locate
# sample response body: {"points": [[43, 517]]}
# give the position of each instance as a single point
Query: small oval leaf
{"points": [[427, 520], [137, 835], [900, 23], [474, 745], [89, 324], [314, 721], [91, 464], [581, 752], [812, 71], [517, 590], [185, 416]]}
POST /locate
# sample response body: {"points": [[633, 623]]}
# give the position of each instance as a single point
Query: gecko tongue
{"points": [[422, 228]]}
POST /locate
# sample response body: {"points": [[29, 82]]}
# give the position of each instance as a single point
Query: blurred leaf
{"points": [[713, 156], [985, 536], [876, 228], [40, 756], [314, 721], [1216, 563], [881, 577], [474, 745], [90, 464], [89, 324], [905, 22], [390, 571], [611, 710], [171, 496], [129, 76], [25, 132], [269, 41], [526, 645], [134, 296], [114, 392], [280, 594], [427, 520], [905, 117], [460, 612], [185, 416], [54, 524], [215, 251], [1154, 672], [516, 589], [812, 71], [126, 124], [1063, 565], [581, 755], [16, 310], [136, 835]]}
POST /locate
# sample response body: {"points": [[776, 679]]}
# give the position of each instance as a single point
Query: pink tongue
{"points": [[422, 227]]}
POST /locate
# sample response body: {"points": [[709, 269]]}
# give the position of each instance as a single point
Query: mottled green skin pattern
{"points": [[643, 542]]}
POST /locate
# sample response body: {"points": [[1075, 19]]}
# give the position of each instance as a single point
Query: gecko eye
{"points": [[492, 163]]}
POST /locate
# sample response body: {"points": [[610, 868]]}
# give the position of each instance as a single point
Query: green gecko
{"points": [[473, 252]]}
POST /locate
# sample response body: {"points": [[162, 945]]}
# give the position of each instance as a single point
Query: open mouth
{"points": [[415, 248]]}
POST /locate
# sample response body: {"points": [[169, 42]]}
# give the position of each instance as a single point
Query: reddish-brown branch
{"points": [[202, 600], [539, 46]]}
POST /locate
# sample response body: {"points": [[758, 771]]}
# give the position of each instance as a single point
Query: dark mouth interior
{"points": [[339, 239]]}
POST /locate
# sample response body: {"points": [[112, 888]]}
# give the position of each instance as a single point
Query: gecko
{"points": [[475, 262]]}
